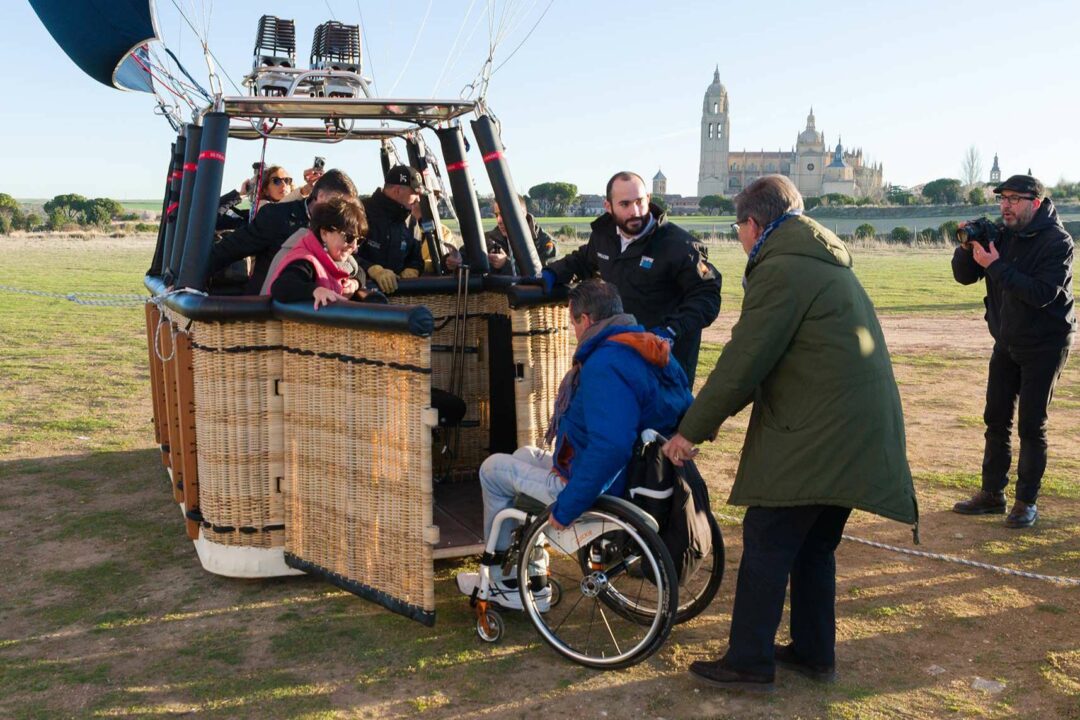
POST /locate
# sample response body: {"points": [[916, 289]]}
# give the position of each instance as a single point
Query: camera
{"points": [[256, 167], [979, 230], [319, 164]]}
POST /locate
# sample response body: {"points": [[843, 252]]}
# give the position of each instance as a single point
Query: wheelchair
{"points": [[602, 592]]}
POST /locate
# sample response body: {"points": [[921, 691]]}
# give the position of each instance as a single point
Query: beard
{"points": [[633, 226]]}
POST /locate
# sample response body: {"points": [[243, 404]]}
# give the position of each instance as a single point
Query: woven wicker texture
{"points": [[358, 457], [239, 431], [542, 347], [474, 436]]}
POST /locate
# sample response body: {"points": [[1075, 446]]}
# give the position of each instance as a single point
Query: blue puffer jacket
{"points": [[628, 382]]}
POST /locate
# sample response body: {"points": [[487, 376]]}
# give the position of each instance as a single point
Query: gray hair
{"points": [[595, 298], [766, 199]]}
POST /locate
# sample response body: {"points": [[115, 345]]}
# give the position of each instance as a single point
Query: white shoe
{"points": [[503, 593], [467, 582]]}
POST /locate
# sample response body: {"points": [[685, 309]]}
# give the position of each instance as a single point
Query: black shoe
{"points": [[983, 502], [786, 657], [717, 675], [1022, 515]]}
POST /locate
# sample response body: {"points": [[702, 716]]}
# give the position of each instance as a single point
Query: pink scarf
{"points": [[327, 273]]}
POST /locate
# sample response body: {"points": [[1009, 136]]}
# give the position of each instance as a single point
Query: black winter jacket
{"points": [[664, 278], [545, 246], [390, 242], [263, 237], [1029, 297]]}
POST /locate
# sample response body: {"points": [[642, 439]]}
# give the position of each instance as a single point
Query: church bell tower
{"points": [[715, 132]]}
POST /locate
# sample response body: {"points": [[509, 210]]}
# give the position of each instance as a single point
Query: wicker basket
{"points": [[239, 431], [358, 462], [542, 349]]}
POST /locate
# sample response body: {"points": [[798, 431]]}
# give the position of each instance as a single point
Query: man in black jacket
{"points": [[272, 226], [391, 251], [501, 255], [662, 273], [1029, 311]]}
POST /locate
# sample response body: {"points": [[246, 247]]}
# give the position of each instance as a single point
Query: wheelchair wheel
{"points": [[699, 589], [607, 617], [490, 627]]}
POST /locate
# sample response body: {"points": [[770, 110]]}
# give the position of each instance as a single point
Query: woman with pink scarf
{"points": [[321, 265]]}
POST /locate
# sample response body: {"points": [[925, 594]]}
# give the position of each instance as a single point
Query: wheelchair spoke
{"points": [[611, 634]]}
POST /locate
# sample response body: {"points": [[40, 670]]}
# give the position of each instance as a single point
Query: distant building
{"points": [[995, 172], [590, 205], [659, 183], [814, 169]]}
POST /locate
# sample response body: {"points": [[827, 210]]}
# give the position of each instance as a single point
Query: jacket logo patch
{"points": [[646, 262], [373, 243], [602, 256]]}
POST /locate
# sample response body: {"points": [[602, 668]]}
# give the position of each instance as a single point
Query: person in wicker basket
{"points": [[321, 266]]}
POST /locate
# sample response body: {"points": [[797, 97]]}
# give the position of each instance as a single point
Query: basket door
{"points": [[357, 485]]}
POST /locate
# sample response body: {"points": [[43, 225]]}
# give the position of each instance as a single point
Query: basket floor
{"points": [[459, 513]]}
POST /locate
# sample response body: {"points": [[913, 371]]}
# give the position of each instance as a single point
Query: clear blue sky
{"points": [[602, 86]]}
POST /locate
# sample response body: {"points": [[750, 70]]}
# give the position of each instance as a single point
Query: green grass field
{"points": [[106, 612]]}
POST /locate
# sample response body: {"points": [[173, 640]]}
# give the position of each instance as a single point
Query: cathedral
{"points": [[814, 169]]}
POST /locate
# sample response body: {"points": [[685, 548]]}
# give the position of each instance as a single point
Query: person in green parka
{"points": [[826, 433]]}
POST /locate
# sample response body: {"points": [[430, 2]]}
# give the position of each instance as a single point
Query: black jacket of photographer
{"points": [[1029, 298], [495, 241], [390, 242], [664, 278], [262, 238]]}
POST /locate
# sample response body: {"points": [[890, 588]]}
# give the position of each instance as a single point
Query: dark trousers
{"points": [[1027, 375], [779, 542]]}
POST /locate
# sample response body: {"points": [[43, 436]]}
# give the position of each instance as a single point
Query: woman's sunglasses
{"points": [[281, 180]]}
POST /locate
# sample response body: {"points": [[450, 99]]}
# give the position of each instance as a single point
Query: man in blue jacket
{"points": [[623, 380]]}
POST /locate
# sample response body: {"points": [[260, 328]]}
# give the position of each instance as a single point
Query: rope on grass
{"points": [[84, 298], [1061, 580]]}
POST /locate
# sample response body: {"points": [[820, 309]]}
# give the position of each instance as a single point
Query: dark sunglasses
{"points": [[281, 181], [350, 239]]}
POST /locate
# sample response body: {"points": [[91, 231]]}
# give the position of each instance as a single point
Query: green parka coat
{"points": [[827, 426]]}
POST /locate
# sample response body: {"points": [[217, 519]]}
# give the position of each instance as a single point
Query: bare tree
{"points": [[971, 167]]}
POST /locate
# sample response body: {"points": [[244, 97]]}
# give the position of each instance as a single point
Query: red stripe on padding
{"points": [[497, 155], [212, 155], [190, 167], [172, 208], [454, 167]]}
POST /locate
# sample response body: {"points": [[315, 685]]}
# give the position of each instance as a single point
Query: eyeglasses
{"points": [[1012, 199], [281, 180], [349, 238]]}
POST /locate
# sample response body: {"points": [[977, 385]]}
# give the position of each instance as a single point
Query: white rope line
{"points": [[1061, 580], [103, 299]]}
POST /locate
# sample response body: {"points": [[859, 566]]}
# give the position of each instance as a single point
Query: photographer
{"points": [[1027, 264]]}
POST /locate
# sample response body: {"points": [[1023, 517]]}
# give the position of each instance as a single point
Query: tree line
{"points": [[61, 212]]}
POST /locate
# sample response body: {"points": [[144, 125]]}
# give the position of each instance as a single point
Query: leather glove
{"points": [[385, 279], [410, 273]]}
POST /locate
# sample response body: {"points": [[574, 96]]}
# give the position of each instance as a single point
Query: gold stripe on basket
{"points": [[238, 428], [358, 457], [541, 346]]}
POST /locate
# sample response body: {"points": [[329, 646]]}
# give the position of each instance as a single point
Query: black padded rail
{"points": [[437, 285], [526, 296], [413, 612], [411, 319], [212, 308]]}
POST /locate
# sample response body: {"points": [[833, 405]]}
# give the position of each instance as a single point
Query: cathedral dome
{"points": [[810, 135]]}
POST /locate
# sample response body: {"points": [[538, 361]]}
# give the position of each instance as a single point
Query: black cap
{"points": [[404, 175], [1024, 184]]}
